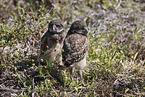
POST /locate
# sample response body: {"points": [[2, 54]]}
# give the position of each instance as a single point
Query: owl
{"points": [[75, 47], [52, 43]]}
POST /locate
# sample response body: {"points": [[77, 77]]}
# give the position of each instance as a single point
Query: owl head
{"points": [[78, 27], [56, 27]]}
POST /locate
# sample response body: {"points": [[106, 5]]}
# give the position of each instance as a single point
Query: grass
{"points": [[116, 59]]}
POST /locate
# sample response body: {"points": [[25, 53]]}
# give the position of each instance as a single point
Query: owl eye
{"points": [[57, 28]]}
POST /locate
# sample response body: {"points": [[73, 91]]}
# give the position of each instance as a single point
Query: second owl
{"points": [[75, 47]]}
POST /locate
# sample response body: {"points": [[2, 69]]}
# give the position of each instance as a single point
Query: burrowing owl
{"points": [[75, 47], [52, 42]]}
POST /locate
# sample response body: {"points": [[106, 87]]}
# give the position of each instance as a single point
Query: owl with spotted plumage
{"points": [[52, 42], [75, 47]]}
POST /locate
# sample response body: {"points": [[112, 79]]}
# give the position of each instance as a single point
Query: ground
{"points": [[116, 58]]}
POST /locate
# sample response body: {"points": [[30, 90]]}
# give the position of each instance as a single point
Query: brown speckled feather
{"points": [[75, 49], [75, 44]]}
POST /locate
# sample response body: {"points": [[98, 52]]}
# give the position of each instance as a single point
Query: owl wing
{"points": [[74, 49], [47, 44]]}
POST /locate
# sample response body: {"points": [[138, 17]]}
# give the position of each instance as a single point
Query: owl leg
{"points": [[80, 74], [71, 70], [60, 77], [81, 77]]}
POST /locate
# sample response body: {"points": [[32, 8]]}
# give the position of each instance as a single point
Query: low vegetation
{"points": [[116, 59]]}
